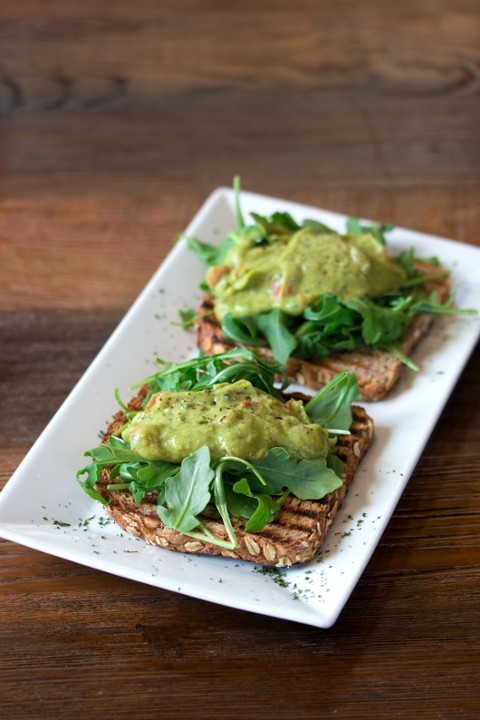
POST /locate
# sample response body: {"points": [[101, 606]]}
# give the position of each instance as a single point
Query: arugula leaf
{"points": [[380, 325], [114, 451], [319, 227], [188, 493], [93, 473], [407, 261], [335, 464], [329, 326], [284, 219], [207, 370], [270, 328], [187, 317], [432, 306], [397, 351], [238, 210], [420, 279], [143, 478], [241, 330], [309, 479], [221, 503], [274, 326], [128, 413], [210, 254], [280, 226], [354, 227], [328, 309], [258, 508], [432, 260], [261, 374], [231, 499], [139, 476], [331, 406]]}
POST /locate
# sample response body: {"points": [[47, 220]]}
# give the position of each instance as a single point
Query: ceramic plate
{"points": [[42, 506]]}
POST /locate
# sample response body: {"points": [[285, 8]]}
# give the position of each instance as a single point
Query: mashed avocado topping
{"points": [[230, 419], [291, 272]]}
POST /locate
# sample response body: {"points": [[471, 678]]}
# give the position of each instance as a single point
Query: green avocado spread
{"points": [[231, 419], [291, 273]]}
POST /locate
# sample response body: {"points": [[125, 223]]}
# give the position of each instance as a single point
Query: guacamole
{"points": [[231, 419], [290, 273]]}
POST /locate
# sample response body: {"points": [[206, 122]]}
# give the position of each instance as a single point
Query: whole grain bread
{"points": [[376, 370], [294, 536]]}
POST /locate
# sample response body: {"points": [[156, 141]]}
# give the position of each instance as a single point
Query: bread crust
{"points": [[376, 370], [294, 536]]}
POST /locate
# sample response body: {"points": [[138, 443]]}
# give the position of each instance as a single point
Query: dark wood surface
{"points": [[117, 119]]}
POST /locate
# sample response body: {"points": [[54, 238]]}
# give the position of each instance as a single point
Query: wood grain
{"points": [[117, 119]]}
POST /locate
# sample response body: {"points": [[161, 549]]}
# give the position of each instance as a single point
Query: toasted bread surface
{"points": [[294, 536], [376, 370]]}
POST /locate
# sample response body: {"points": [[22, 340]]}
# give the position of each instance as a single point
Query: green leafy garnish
{"points": [[331, 406], [329, 324], [233, 486], [210, 254], [207, 370], [238, 209], [354, 227], [259, 508], [188, 493], [188, 317], [274, 327], [308, 479], [137, 475]]}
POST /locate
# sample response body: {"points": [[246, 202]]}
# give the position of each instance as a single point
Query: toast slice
{"points": [[294, 536], [376, 370]]}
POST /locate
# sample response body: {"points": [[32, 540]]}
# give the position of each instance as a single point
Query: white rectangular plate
{"points": [[43, 507]]}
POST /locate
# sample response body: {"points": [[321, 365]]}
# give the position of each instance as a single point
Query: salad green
{"points": [[271, 288], [235, 486]]}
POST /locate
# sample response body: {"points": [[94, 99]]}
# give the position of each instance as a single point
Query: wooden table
{"points": [[117, 120]]}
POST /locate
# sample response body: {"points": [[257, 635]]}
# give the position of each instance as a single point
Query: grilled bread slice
{"points": [[294, 536], [376, 370]]}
